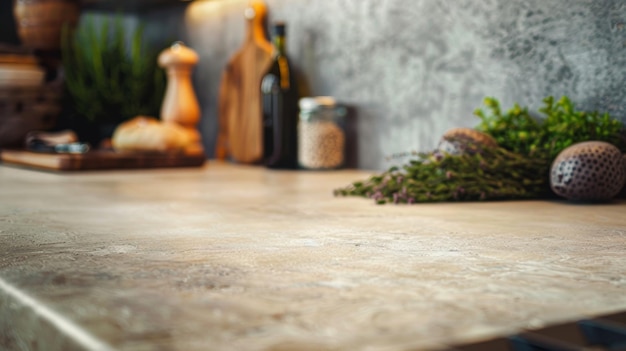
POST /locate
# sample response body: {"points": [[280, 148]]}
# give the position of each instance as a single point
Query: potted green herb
{"points": [[110, 74]]}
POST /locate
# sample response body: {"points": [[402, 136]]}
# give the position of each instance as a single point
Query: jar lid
{"points": [[309, 103]]}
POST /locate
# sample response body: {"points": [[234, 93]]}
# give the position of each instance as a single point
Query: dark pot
{"points": [[40, 22]]}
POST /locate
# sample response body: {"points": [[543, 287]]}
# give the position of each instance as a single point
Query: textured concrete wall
{"points": [[413, 69]]}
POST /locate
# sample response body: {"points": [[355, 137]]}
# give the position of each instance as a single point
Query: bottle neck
{"points": [[280, 48]]}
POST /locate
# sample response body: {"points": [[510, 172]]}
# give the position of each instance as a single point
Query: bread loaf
{"points": [[149, 134]]}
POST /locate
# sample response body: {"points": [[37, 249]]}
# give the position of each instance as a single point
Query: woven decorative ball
{"points": [[588, 171], [457, 141]]}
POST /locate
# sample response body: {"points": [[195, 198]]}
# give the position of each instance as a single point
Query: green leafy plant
{"points": [[564, 126], [561, 126], [516, 130], [109, 76]]}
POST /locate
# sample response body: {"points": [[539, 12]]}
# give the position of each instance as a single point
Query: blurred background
{"points": [[409, 70]]}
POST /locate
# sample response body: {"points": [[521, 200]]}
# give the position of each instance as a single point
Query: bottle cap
{"points": [[280, 29]]}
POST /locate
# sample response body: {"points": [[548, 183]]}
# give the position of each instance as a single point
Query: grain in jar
{"points": [[321, 137]]}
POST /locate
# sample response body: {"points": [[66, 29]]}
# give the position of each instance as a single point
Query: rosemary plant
{"points": [[110, 77]]}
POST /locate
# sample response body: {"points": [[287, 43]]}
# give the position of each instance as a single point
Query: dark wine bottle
{"points": [[279, 100]]}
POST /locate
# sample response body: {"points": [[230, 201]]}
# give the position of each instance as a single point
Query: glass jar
{"points": [[321, 133]]}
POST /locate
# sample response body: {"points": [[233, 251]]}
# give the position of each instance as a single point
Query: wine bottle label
{"points": [[284, 72], [269, 84]]}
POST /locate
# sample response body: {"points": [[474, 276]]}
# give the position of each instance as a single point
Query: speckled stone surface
{"points": [[414, 69], [241, 258]]}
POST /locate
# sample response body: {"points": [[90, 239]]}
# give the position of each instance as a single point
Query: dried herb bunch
{"points": [[480, 173]]}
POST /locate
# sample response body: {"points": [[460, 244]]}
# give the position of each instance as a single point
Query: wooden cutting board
{"points": [[100, 160], [240, 120]]}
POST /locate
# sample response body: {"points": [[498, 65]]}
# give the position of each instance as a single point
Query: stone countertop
{"points": [[232, 257]]}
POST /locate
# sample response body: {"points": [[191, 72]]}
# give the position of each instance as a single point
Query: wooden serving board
{"points": [[240, 120], [99, 160]]}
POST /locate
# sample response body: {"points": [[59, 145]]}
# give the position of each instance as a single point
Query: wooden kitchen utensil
{"points": [[240, 129], [99, 160]]}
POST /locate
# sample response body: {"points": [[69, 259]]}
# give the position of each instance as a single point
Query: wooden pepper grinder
{"points": [[180, 105]]}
